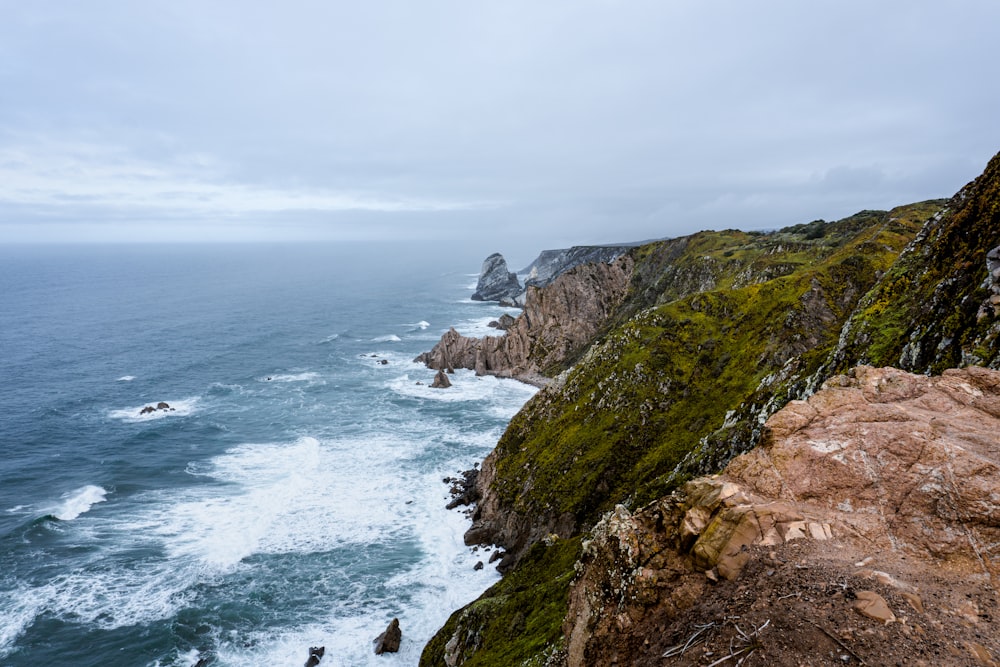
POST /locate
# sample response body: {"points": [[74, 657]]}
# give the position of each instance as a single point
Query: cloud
{"points": [[55, 178]]}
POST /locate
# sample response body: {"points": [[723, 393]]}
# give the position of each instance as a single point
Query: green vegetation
{"points": [[518, 621]]}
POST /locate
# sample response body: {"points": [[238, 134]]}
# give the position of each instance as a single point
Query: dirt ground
{"points": [[795, 606]]}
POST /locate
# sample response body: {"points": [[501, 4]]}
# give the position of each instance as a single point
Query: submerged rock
{"points": [[496, 283], [388, 641]]}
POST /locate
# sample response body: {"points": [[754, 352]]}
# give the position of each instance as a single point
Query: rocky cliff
{"points": [[715, 333], [556, 323], [552, 263]]}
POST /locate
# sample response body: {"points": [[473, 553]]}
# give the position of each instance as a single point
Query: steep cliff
{"points": [[715, 333], [550, 264], [556, 324]]}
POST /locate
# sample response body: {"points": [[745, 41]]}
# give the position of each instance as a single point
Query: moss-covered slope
{"points": [[935, 308]]}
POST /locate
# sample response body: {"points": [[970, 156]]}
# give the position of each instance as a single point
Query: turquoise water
{"points": [[292, 497]]}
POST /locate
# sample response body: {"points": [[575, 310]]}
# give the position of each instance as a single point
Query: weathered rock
{"points": [[463, 489], [147, 410], [315, 655], [505, 322], [162, 405], [874, 606], [441, 381], [388, 641], [550, 264], [495, 281], [905, 465], [557, 322]]}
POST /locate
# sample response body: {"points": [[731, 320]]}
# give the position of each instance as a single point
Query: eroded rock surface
{"points": [[880, 494], [557, 321]]}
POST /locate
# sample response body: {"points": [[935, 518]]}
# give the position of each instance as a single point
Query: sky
{"points": [[515, 125]]}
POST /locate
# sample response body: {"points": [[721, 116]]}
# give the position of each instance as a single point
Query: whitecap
{"points": [[290, 377], [16, 509], [391, 338], [79, 502], [178, 408], [329, 339], [502, 397], [126, 378]]}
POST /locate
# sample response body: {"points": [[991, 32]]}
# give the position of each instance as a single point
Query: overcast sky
{"points": [[515, 124]]}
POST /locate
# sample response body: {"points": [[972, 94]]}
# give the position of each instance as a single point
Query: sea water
{"points": [[291, 496]]}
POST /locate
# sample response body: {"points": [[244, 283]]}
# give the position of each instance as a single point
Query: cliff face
{"points": [[715, 333], [556, 323], [552, 263]]}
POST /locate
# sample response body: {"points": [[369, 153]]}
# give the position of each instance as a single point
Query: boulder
{"points": [[147, 410], [315, 655], [388, 641], [441, 381], [495, 281], [162, 405]]}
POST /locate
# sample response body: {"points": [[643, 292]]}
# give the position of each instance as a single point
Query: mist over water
{"points": [[292, 495]]}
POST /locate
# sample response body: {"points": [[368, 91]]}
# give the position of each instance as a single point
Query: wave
{"points": [[178, 408], [79, 502], [501, 398], [329, 339], [307, 376], [126, 378], [391, 338]]}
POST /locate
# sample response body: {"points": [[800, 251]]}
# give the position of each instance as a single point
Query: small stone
{"points": [[479, 565], [874, 606]]}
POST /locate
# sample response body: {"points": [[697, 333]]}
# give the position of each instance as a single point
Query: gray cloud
{"points": [[519, 124]]}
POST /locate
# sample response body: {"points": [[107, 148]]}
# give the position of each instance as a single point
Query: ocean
{"points": [[291, 495]]}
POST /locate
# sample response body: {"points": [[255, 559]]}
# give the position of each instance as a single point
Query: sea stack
{"points": [[496, 282]]}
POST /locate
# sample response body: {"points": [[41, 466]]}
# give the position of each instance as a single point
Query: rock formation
{"points": [[441, 381], [893, 479], [556, 323], [315, 655], [388, 641], [496, 283], [550, 264]]}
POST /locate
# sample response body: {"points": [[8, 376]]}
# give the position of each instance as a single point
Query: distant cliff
{"points": [[552, 263], [710, 336]]}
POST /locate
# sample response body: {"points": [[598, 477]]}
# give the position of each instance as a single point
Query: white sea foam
{"points": [[480, 326], [390, 338], [290, 377], [126, 378], [79, 501], [502, 397], [16, 509], [22, 608], [181, 408]]}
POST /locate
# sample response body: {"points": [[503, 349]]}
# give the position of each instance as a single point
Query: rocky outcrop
{"points": [[150, 409], [557, 322], [441, 381], [550, 264], [891, 480], [316, 654], [496, 283], [388, 641]]}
